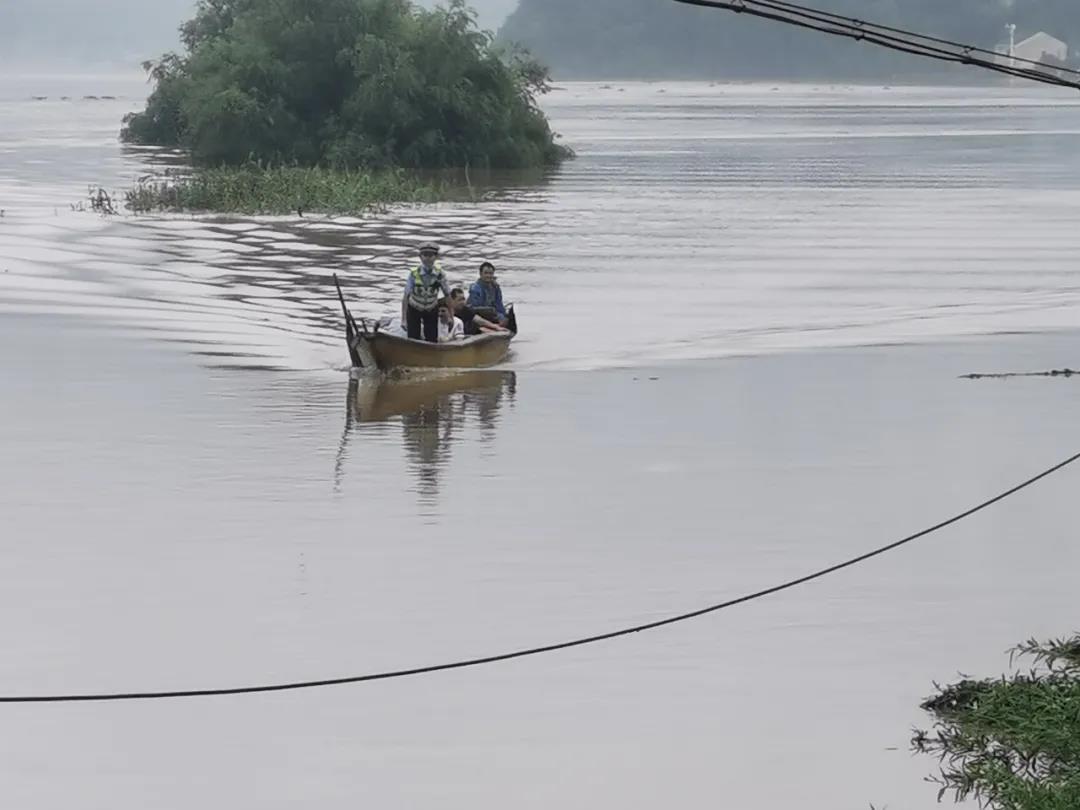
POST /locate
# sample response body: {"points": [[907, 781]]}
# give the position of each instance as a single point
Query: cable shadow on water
{"points": [[436, 410]]}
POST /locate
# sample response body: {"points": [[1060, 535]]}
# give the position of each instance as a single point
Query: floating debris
{"points": [[101, 202], [1057, 372]]}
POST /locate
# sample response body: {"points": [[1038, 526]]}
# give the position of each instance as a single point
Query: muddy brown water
{"points": [[747, 310]]}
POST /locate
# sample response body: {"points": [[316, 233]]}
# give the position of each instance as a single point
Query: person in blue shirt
{"points": [[420, 302], [485, 295]]}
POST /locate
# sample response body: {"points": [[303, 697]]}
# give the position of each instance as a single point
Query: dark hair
{"points": [[486, 264], [444, 303], [457, 292]]}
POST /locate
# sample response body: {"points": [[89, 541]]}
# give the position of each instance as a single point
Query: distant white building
{"points": [[1040, 46]]}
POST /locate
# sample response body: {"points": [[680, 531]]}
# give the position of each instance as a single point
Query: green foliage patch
{"points": [[345, 84], [281, 190], [1012, 743]]}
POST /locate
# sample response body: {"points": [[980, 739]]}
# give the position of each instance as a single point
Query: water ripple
{"points": [[697, 221]]}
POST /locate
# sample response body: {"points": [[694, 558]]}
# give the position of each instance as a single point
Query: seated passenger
{"points": [[475, 323], [485, 295], [450, 327]]}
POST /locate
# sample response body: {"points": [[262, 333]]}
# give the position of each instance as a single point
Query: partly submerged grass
{"points": [[1012, 743], [281, 190]]}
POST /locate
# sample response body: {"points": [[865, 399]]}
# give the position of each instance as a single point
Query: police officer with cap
{"points": [[420, 303]]}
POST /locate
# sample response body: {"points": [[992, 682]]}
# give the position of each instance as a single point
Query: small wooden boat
{"points": [[371, 348]]}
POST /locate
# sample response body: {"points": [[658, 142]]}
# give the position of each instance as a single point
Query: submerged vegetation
{"points": [[283, 190], [343, 85], [1012, 743]]}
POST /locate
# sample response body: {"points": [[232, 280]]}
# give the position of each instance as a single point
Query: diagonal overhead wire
{"points": [[548, 648], [801, 10], [897, 39]]}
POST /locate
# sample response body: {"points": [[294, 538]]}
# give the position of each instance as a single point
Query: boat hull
{"points": [[387, 352]]}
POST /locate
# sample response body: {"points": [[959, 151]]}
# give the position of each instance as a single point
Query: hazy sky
{"points": [[492, 12], [121, 31]]}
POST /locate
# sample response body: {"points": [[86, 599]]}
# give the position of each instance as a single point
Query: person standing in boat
{"points": [[420, 303], [485, 295]]}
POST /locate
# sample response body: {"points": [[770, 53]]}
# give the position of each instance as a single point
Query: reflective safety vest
{"points": [[427, 288]]}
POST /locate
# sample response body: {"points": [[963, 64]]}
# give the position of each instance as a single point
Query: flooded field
{"points": [[744, 315]]}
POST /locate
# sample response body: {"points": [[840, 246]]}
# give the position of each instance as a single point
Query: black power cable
{"points": [[804, 10], [523, 653], [896, 39]]}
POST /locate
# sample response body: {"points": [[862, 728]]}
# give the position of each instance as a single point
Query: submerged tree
{"points": [[345, 84], [1012, 743]]}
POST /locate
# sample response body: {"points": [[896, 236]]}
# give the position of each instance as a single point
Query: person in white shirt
{"points": [[450, 326]]}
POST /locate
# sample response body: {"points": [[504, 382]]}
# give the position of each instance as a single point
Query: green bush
{"points": [[345, 84], [1012, 743]]}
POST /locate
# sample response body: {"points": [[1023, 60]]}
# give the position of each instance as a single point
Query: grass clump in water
{"points": [[1012, 743], [282, 190]]}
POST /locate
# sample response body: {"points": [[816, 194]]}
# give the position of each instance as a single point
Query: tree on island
{"points": [[345, 84]]}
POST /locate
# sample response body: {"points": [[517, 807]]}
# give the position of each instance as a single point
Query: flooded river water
{"points": [[744, 313]]}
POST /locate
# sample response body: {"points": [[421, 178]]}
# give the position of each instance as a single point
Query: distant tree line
{"points": [[664, 39], [345, 84]]}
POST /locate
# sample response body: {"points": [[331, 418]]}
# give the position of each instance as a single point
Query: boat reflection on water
{"points": [[435, 410]]}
